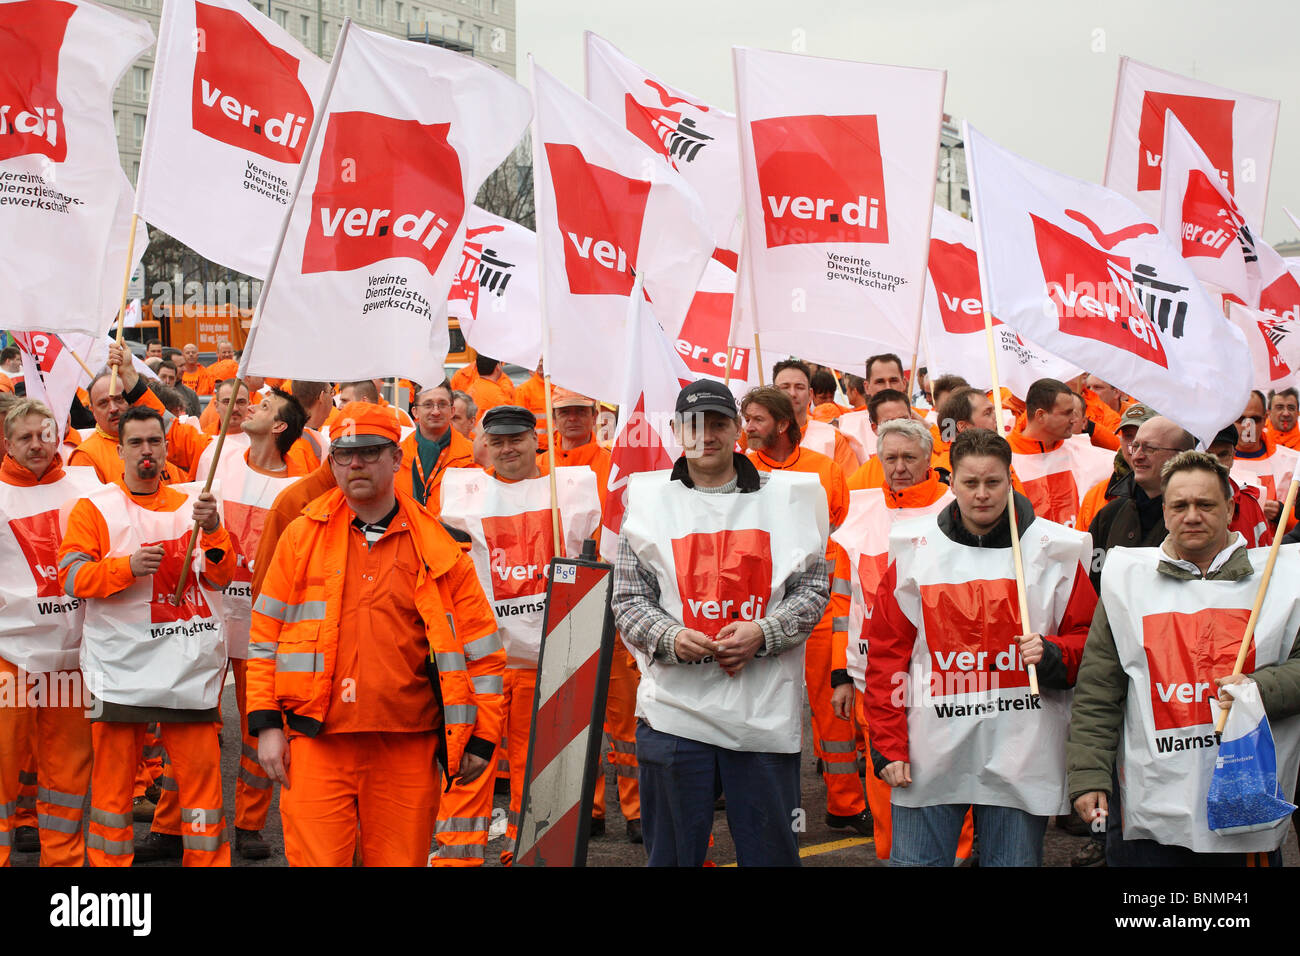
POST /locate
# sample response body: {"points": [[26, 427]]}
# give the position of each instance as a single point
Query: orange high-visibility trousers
{"points": [[520, 686], [151, 761], [833, 738], [195, 752], [26, 803], [620, 729], [167, 815], [879, 801], [464, 818], [384, 783], [252, 785], [59, 729]]}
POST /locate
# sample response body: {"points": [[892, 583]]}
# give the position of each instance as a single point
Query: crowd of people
{"points": [[372, 574]]}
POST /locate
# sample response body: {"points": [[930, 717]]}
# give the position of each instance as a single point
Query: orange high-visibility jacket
{"points": [[294, 641], [459, 453]]}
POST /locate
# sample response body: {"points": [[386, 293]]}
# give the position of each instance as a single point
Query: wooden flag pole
{"points": [[1249, 636], [758, 356], [126, 284], [731, 357], [85, 368], [261, 298], [1021, 596], [551, 439]]}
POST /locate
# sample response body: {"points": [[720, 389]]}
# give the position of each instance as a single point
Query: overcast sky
{"points": [[1038, 76]]}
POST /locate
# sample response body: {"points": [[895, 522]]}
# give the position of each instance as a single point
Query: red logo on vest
{"points": [[366, 208], [972, 629], [1093, 292], [244, 525], [1209, 225], [43, 347], [820, 179], [39, 538], [520, 548], [1055, 496], [31, 117], [723, 576], [600, 215], [702, 342], [193, 604], [1185, 653], [1209, 121], [955, 274], [871, 568], [246, 89]]}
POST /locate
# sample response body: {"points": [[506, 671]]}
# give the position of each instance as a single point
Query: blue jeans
{"points": [[681, 779], [927, 836]]}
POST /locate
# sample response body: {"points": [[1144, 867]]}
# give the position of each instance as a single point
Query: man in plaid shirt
{"points": [[682, 776]]}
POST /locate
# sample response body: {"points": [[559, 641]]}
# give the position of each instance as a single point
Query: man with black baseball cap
{"points": [[720, 578]]}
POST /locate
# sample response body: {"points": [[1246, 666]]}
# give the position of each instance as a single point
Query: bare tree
{"points": [[508, 192]]}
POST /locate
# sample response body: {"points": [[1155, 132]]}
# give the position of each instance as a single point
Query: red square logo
{"points": [[39, 538], [1185, 653], [1093, 293], [702, 342], [244, 524], [956, 277], [972, 629], [246, 90], [162, 609], [31, 117], [1209, 225], [820, 179], [723, 576], [520, 548], [600, 215], [1054, 497], [1209, 121], [366, 208], [871, 568]]}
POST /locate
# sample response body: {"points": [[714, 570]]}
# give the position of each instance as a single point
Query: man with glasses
{"points": [[1103, 491], [432, 448], [1261, 461], [373, 647]]}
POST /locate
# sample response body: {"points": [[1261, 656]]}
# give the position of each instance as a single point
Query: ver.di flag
{"points": [[1082, 271], [838, 165], [407, 136], [231, 108], [608, 210], [953, 321], [494, 296], [65, 203], [1236, 131], [1274, 346], [697, 139]]}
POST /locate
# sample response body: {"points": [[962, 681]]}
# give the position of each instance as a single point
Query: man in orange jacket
{"points": [[226, 366], [773, 434], [193, 375], [491, 387], [884, 406], [40, 640], [374, 646], [149, 658], [432, 448], [1283, 409]]}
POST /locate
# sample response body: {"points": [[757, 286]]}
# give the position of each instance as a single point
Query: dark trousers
{"points": [[1121, 852], [681, 779]]}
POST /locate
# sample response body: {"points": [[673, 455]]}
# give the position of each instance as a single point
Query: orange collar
{"points": [[919, 495], [1029, 446], [776, 465], [12, 473]]}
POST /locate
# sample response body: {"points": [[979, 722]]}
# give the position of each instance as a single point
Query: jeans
{"points": [[927, 836], [681, 779]]}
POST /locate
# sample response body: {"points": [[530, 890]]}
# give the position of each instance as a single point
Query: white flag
{"points": [[1082, 271], [953, 323], [494, 295], [408, 134], [653, 374], [1281, 280], [1236, 131], [50, 372], [1274, 347], [1201, 217], [232, 106], [697, 139], [607, 209], [65, 204], [839, 162]]}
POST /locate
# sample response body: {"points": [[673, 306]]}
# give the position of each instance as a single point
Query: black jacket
{"points": [[1129, 520]]}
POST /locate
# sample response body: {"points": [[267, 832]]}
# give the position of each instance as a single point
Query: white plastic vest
{"points": [[40, 626], [1174, 637], [865, 538], [513, 542], [856, 426], [1271, 474], [140, 649], [1056, 481], [720, 558], [974, 733]]}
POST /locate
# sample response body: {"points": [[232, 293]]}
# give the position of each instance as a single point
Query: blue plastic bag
{"points": [[1244, 793]]}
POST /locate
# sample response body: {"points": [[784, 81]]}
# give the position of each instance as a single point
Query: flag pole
{"points": [[126, 284], [546, 328], [1248, 637], [85, 368], [261, 298]]}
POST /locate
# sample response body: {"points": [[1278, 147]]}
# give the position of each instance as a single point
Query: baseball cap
{"points": [[362, 424], [1134, 415], [508, 420], [707, 395], [567, 398]]}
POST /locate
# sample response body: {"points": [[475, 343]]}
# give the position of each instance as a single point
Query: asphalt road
{"points": [[819, 845]]}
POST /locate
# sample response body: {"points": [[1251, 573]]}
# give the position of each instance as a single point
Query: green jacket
{"points": [[1097, 714]]}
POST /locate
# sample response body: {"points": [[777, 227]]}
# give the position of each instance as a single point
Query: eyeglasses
{"points": [[368, 455], [425, 406], [1145, 448]]}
